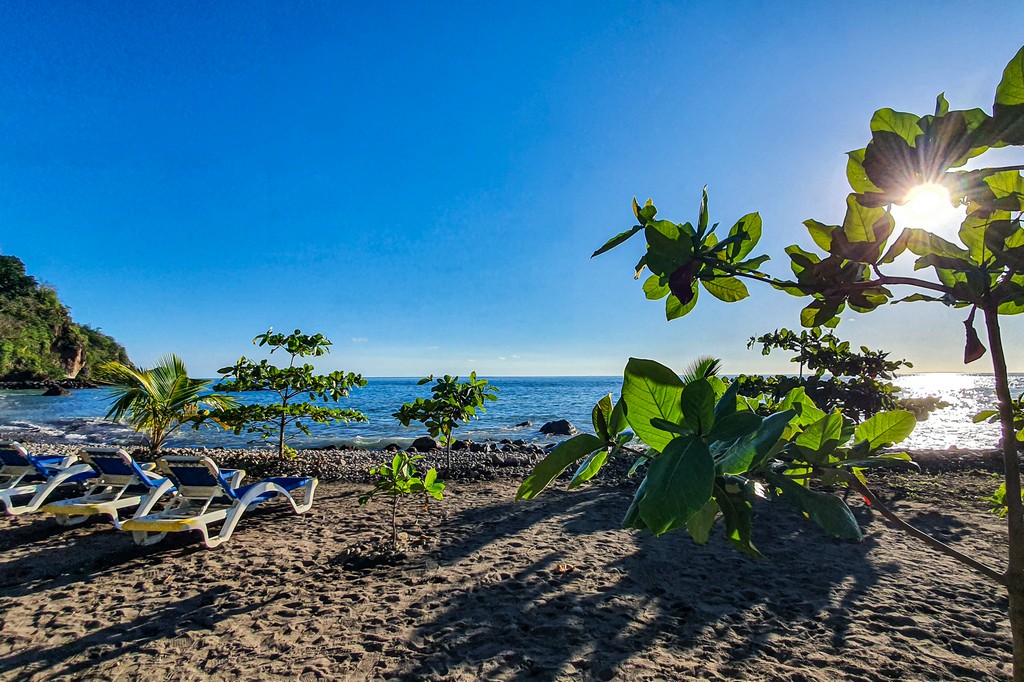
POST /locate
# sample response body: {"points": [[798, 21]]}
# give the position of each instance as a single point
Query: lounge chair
{"points": [[26, 481], [122, 485], [206, 497]]}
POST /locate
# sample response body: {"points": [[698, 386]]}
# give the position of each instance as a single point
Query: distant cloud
{"points": [[515, 357], [470, 360], [359, 339], [502, 357]]}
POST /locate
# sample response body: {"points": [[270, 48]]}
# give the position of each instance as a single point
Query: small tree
{"points": [[398, 480], [161, 400], [290, 383], [860, 383], [452, 403], [906, 155]]}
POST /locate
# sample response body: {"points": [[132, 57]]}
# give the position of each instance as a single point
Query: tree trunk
{"points": [[394, 524], [1014, 508]]}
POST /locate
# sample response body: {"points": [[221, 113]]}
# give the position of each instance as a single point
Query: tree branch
{"points": [[907, 528]]}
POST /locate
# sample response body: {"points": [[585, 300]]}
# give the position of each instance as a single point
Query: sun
{"points": [[928, 207], [928, 202]]}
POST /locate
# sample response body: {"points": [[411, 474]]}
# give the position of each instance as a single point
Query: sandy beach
{"points": [[497, 589]]}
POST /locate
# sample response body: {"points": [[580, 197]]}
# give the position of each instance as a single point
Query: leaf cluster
{"points": [[399, 478], [452, 402], [709, 454]]}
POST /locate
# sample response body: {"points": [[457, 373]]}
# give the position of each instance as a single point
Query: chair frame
{"points": [[206, 497], [37, 477], [114, 490]]}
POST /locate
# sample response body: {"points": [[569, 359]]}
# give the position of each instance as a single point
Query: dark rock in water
{"points": [[519, 442], [56, 390], [424, 444], [560, 427], [462, 445], [392, 447], [523, 424], [506, 441]]}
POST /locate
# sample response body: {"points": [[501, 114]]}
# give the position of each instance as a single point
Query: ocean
{"points": [[79, 417]]}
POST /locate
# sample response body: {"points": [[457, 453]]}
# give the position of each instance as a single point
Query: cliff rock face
{"points": [[38, 338]]}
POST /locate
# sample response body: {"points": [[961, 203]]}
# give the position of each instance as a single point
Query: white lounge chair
{"points": [[206, 498], [26, 481], [122, 485]]}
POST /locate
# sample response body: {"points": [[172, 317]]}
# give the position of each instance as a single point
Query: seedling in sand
{"points": [[398, 480]]}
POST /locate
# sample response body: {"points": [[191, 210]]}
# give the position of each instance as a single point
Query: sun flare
{"points": [[928, 202]]}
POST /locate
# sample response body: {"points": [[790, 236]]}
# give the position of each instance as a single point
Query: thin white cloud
{"points": [[502, 357], [359, 339]]}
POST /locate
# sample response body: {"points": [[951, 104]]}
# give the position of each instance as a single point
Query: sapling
{"points": [[399, 480], [290, 383], [452, 403]]}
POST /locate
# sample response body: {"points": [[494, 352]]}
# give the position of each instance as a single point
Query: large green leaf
{"points": [[737, 512], [549, 468], [727, 288], [589, 468], [750, 226], [649, 390], [616, 240], [885, 428], [902, 124], [632, 518], [601, 417], [863, 224], [828, 511], [674, 308], [726, 405], [699, 525], [820, 438], [679, 483], [735, 425], [698, 403], [654, 288], [752, 450], [1010, 91]]}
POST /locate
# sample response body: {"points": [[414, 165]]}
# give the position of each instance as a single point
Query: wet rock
{"points": [[559, 427], [462, 445], [55, 391], [424, 444], [522, 425], [392, 447]]}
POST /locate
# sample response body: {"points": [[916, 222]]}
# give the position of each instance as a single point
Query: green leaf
{"points": [[727, 288], [698, 403], [632, 519], [896, 248], [895, 460], [902, 124], [679, 483], [675, 309], [737, 512], [821, 234], [549, 468], [617, 424], [699, 525], [822, 437], [649, 390], [616, 240], [678, 429], [828, 511], [726, 405], [600, 417], [1010, 91], [857, 176], [749, 225], [863, 224], [654, 289], [885, 428], [589, 468], [735, 425], [749, 452]]}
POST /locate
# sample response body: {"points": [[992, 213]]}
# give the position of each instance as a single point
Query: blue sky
{"points": [[424, 182]]}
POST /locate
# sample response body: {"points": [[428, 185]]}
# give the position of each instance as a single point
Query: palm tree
{"points": [[158, 401]]}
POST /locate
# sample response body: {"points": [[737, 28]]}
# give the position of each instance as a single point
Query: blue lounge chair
{"points": [[121, 485], [207, 497], [26, 481]]}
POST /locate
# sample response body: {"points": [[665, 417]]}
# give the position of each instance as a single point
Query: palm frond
{"points": [[702, 367]]}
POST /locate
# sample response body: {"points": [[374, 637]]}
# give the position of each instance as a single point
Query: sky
{"points": [[424, 183]]}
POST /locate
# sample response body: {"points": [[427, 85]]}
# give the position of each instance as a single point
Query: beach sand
{"points": [[497, 589]]}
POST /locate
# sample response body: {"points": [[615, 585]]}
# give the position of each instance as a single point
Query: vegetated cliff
{"points": [[38, 339]]}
